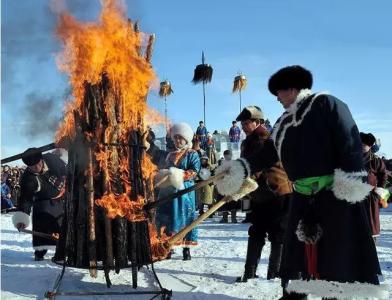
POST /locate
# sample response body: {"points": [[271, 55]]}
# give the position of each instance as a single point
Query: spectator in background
{"points": [[231, 206], [267, 125], [234, 135], [377, 177], [6, 201], [201, 135], [217, 140], [205, 195], [210, 150]]}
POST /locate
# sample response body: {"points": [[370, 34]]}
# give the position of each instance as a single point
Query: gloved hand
{"points": [[170, 177], [248, 186]]}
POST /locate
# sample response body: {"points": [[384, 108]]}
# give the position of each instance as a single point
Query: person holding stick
{"points": [[269, 203], [183, 165], [42, 189]]}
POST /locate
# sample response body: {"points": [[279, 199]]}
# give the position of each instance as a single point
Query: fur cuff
{"points": [[237, 170], [21, 217], [309, 234], [350, 187], [176, 177], [339, 290]]}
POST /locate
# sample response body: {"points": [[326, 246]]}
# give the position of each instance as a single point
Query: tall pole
{"points": [[166, 114], [240, 102], [204, 104]]}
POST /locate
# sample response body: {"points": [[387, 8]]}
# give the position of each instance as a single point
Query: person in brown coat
{"points": [[377, 177], [269, 203]]}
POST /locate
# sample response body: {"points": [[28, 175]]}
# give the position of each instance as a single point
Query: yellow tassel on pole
{"points": [[165, 89], [240, 83]]}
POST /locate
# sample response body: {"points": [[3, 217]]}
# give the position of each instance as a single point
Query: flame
{"points": [[109, 48], [122, 206], [160, 247]]}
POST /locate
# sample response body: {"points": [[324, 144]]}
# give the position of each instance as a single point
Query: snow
{"points": [[211, 273]]}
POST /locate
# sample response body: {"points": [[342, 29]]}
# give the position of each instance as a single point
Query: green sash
{"points": [[312, 185]]}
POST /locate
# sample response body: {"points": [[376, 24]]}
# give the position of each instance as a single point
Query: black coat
{"points": [[43, 193], [268, 210], [316, 136]]}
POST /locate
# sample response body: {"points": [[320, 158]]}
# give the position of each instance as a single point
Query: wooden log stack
{"points": [[106, 164]]}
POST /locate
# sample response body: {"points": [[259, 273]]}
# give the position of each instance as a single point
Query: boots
{"points": [[186, 254], [247, 219], [225, 217], [39, 254], [274, 260], [255, 245], [250, 273], [201, 209], [291, 296], [234, 216]]}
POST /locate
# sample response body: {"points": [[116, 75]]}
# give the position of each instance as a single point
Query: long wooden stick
{"points": [[171, 197], [47, 147], [48, 236], [92, 250], [183, 232]]}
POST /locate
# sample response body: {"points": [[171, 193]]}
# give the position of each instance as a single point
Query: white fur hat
{"points": [[182, 129]]}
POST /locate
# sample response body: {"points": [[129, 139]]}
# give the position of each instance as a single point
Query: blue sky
{"points": [[346, 45]]}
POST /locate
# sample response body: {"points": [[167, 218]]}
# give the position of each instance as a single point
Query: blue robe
{"points": [[177, 214]]}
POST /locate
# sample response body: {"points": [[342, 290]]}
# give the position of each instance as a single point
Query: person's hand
{"points": [[20, 226]]}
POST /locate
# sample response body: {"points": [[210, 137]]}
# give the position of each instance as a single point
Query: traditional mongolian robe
{"points": [[180, 212], [42, 193], [328, 235]]}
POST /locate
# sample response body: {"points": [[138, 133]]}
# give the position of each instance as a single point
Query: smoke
{"points": [[41, 115]]}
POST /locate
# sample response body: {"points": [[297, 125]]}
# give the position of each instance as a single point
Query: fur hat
{"points": [[367, 138], [290, 77], [250, 112], [182, 129], [31, 156]]}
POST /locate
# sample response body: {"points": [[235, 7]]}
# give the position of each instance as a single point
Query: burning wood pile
{"points": [[110, 176]]}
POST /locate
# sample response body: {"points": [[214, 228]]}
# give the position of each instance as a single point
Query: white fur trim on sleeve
{"points": [[21, 217], [349, 186], [176, 177], [339, 290], [238, 170]]}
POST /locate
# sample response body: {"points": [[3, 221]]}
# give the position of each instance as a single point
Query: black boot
{"points": [[253, 253], [234, 216], [250, 273], [225, 217], [186, 253], [274, 260], [39, 254], [291, 296]]}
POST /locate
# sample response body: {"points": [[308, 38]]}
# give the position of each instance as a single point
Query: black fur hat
{"points": [[31, 156], [367, 138], [290, 77]]}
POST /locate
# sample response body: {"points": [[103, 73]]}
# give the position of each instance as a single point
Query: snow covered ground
{"points": [[209, 275]]}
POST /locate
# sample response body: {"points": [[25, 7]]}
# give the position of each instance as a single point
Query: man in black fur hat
{"points": [[328, 248], [270, 201], [42, 188]]}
